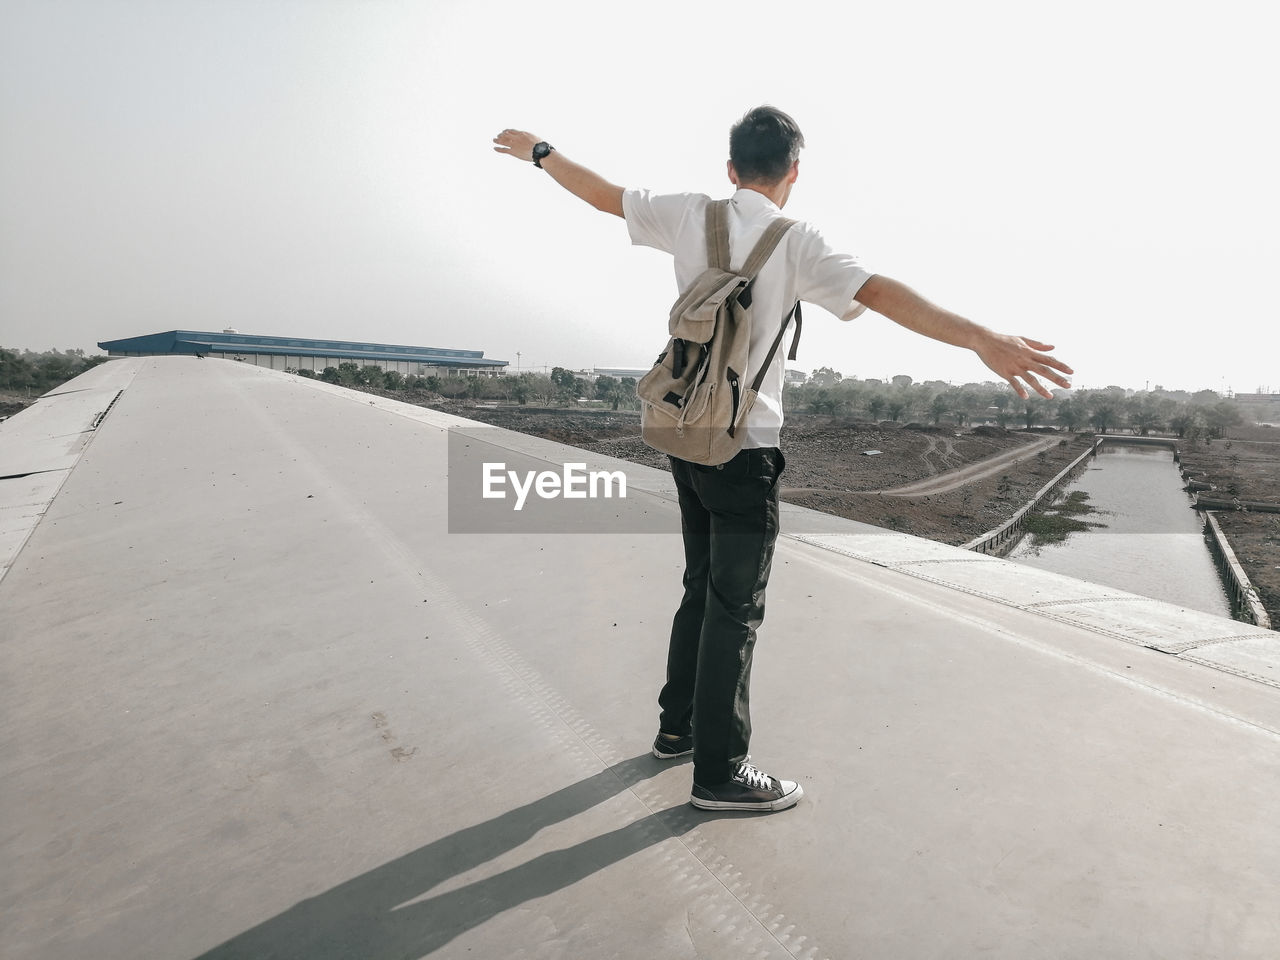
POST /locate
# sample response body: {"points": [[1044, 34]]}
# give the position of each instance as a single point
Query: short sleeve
{"points": [[654, 220], [828, 279]]}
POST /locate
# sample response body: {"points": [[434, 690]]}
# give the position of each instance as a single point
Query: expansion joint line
{"points": [[97, 421]]}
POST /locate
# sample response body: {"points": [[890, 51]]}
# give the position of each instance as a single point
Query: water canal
{"points": [[1152, 543]]}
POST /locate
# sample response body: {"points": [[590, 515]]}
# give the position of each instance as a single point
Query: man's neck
{"points": [[776, 192]]}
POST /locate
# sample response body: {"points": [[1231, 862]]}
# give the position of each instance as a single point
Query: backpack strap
{"points": [[718, 240], [718, 234], [765, 246], [777, 342]]}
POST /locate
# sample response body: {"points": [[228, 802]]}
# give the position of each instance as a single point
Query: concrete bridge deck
{"points": [[257, 701]]}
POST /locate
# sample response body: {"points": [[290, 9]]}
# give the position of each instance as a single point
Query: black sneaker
{"points": [[747, 789], [664, 748]]}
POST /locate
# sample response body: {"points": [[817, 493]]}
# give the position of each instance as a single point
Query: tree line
{"points": [[1106, 410], [35, 373], [1185, 414], [825, 391], [561, 387]]}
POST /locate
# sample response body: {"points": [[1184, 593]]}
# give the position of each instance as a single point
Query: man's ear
{"points": [[795, 172], [733, 174]]}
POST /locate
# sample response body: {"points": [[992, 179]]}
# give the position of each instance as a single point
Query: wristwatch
{"points": [[541, 151]]}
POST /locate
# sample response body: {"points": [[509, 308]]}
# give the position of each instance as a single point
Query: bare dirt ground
{"points": [[11, 403], [1246, 465]]}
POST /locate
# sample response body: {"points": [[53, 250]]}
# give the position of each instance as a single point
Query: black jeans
{"points": [[729, 518]]}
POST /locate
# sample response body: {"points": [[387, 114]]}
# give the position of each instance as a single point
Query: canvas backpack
{"points": [[697, 396]]}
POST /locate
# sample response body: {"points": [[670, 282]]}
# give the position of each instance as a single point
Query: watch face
{"points": [[540, 150]]}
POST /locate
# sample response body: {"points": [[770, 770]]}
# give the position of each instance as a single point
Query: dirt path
{"points": [[951, 479], [954, 479]]}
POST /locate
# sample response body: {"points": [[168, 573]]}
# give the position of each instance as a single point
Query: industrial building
{"points": [[1259, 407], [295, 353]]}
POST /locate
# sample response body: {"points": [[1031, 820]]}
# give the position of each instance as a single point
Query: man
{"points": [[729, 513]]}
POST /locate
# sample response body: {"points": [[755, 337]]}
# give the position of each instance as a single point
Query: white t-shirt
{"points": [[803, 267]]}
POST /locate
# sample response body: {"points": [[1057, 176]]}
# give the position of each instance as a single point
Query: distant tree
{"points": [[432, 383], [372, 376], [16, 372], [967, 401], [604, 387], [1000, 400], [900, 399], [475, 387], [1070, 414], [1222, 416], [57, 368], [1144, 413], [520, 391], [1033, 410], [613, 391], [331, 375], [825, 377], [824, 400], [625, 394], [541, 388], [875, 406], [41, 372], [1181, 420], [306, 374], [938, 408], [853, 394], [1104, 414], [393, 380], [455, 388]]}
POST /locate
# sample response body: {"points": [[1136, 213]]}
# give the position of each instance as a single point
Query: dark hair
{"points": [[764, 144]]}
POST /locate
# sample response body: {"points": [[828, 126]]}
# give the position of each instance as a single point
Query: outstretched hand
{"points": [[517, 143], [1021, 358]]}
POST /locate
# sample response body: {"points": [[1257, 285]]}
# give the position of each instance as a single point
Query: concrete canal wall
{"points": [[1246, 604]]}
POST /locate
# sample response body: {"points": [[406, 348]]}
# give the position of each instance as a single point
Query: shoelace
{"points": [[752, 777]]}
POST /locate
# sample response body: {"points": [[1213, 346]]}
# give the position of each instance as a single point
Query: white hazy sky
{"points": [[1099, 175]]}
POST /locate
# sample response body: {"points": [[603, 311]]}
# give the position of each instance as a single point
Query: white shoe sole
{"points": [[671, 756], [789, 799]]}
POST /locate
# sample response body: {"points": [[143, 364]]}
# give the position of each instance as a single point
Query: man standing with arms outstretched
{"points": [[729, 513]]}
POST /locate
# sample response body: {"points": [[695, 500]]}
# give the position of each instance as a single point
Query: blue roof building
{"points": [[296, 353]]}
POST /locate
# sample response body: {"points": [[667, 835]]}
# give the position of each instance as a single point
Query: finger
{"points": [[1036, 344], [1055, 362], [1037, 386], [1050, 374], [1017, 387]]}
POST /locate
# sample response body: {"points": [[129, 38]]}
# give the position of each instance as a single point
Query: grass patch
{"points": [[1074, 504], [1052, 528], [1053, 524]]}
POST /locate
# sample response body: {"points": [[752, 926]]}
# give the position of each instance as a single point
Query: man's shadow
{"points": [[367, 917]]}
